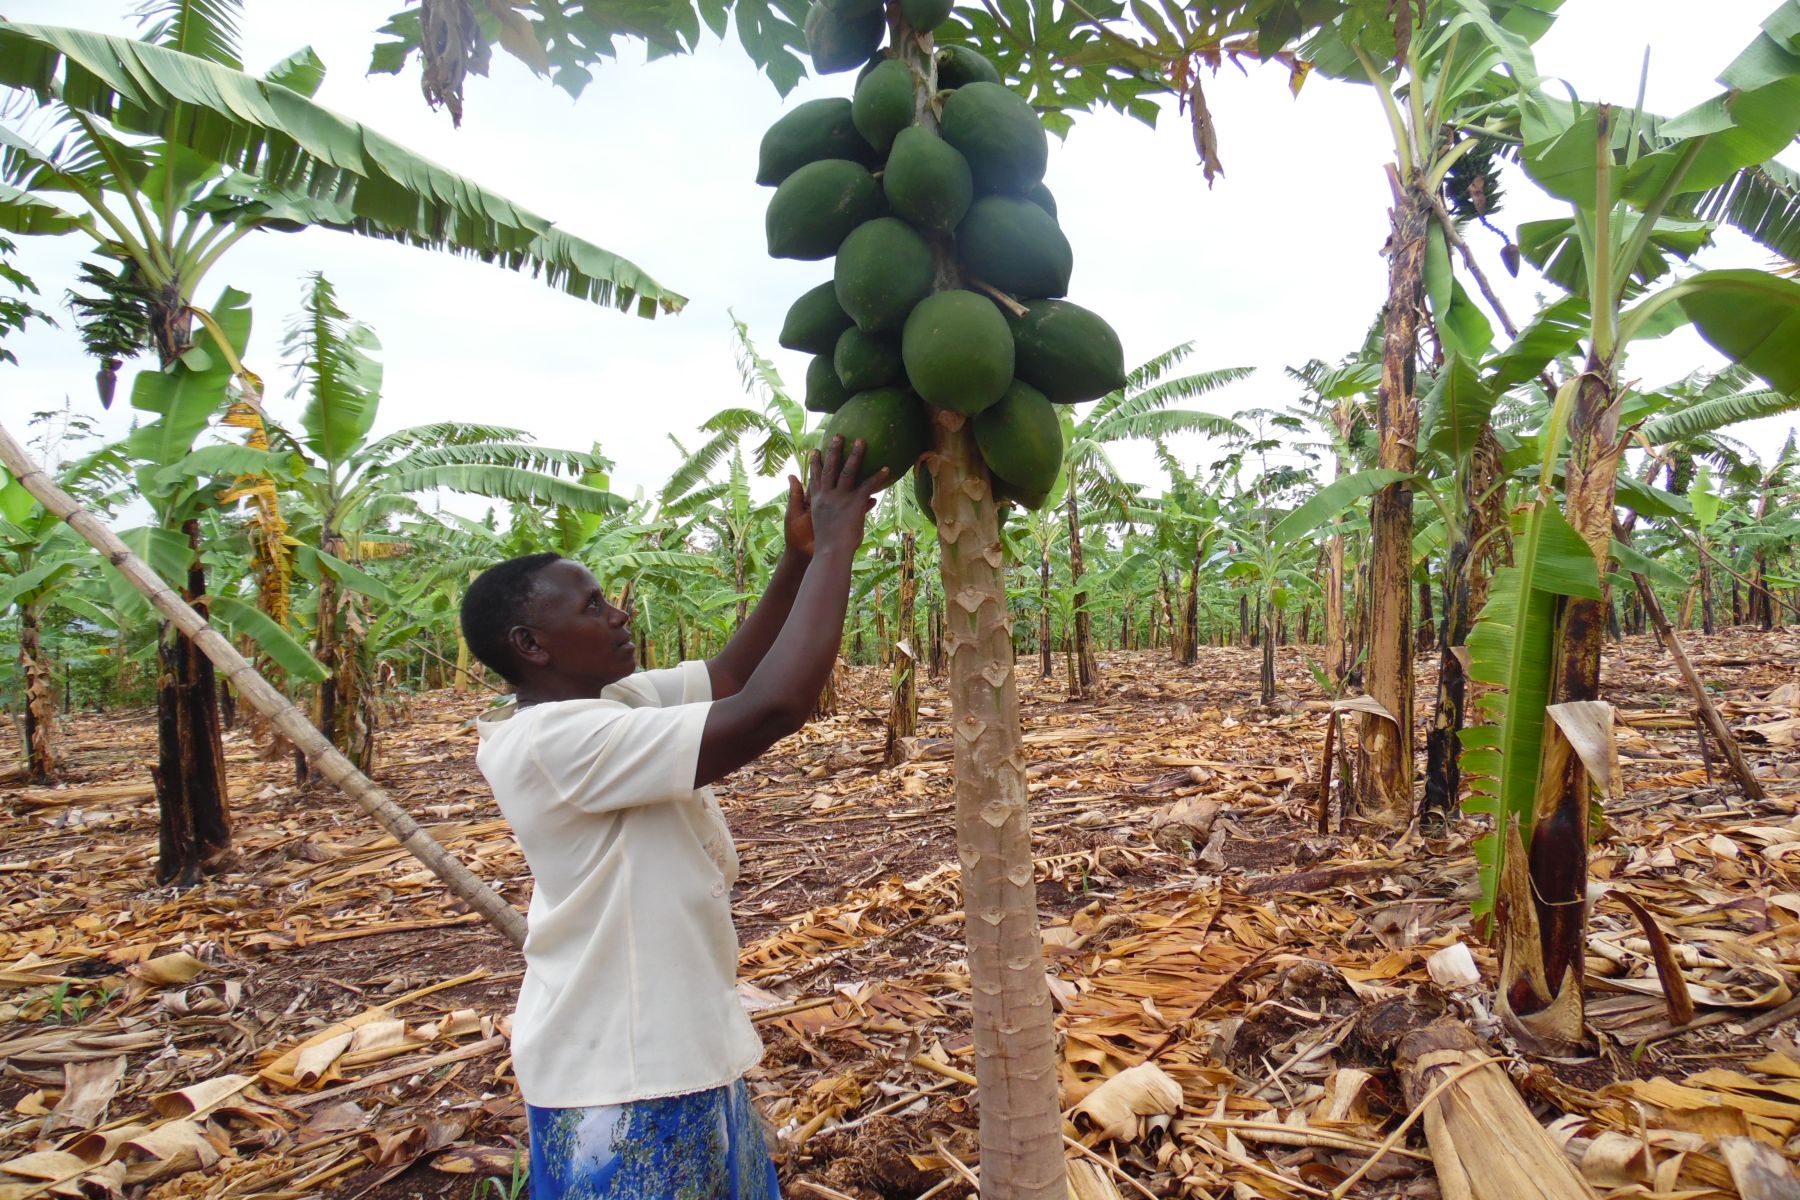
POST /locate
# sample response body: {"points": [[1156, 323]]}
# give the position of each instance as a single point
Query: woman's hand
{"points": [[799, 524], [836, 503]]}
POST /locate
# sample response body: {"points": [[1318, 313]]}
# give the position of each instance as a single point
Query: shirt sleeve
{"points": [[688, 683], [604, 757]]}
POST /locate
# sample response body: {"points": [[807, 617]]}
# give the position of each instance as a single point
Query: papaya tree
{"points": [[987, 346], [1620, 171], [169, 155]]}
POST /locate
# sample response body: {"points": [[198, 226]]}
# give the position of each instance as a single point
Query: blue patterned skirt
{"points": [[701, 1146]]}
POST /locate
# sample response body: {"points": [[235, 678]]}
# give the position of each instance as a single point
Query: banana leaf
{"points": [[1512, 648], [302, 150], [240, 619], [1332, 500]]}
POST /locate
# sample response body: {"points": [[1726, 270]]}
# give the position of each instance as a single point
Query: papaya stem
{"points": [[1001, 298]]}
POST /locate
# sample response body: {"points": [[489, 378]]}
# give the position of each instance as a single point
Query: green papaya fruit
{"points": [[817, 206], [1015, 246], [824, 392], [815, 320], [812, 131], [1040, 195], [884, 103], [927, 180], [1006, 493], [1067, 352], [840, 41], [893, 425], [999, 134], [959, 65], [866, 360], [1021, 439], [958, 351], [922, 491], [883, 268], [925, 15]]}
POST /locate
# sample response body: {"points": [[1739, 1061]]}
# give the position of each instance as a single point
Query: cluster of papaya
{"points": [[950, 272]]}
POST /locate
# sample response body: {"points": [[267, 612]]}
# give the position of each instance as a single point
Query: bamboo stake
{"points": [[320, 753]]}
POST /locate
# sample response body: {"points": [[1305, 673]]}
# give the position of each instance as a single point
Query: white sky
{"points": [[1278, 262]]}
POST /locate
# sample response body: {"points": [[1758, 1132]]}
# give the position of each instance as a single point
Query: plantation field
{"points": [[321, 1018]]}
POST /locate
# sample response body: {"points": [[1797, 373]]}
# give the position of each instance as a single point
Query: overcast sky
{"points": [[1278, 262]]}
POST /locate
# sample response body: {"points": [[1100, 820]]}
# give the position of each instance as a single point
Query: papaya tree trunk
{"points": [[43, 763], [1045, 665], [903, 710], [1385, 786], [1015, 1044], [194, 823], [1086, 668], [1013, 1030]]}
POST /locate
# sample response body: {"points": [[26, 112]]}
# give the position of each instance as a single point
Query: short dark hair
{"points": [[494, 604]]}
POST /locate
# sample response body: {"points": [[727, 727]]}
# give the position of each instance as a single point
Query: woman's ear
{"points": [[525, 647]]}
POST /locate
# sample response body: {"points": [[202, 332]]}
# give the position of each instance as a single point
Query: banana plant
{"points": [[41, 560], [1141, 410], [167, 154], [346, 487], [1438, 95], [1541, 635], [1276, 551]]}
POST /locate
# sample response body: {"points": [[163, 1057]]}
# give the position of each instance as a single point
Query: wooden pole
{"points": [[320, 753], [1715, 724]]}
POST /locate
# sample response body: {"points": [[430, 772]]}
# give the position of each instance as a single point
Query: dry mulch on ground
{"points": [[321, 1018]]}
